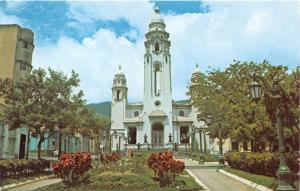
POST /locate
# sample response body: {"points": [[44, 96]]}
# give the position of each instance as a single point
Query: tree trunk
{"points": [[39, 148], [28, 142], [252, 145]]}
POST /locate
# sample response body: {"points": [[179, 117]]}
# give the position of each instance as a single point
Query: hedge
{"points": [[265, 163], [18, 167]]}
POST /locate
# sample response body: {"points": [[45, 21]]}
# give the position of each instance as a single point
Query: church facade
{"points": [[158, 122]]}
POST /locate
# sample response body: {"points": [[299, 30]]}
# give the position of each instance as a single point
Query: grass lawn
{"points": [[258, 179], [22, 178], [125, 181]]}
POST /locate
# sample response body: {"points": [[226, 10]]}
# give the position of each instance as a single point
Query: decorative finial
{"points": [[196, 65], [156, 10], [119, 67]]}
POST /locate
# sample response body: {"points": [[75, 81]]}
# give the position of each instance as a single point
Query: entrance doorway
{"points": [[22, 146], [157, 135]]}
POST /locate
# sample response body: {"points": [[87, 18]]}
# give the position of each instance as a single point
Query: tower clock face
{"points": [[157, 103]]}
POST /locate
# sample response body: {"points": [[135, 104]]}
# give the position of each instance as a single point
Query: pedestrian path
{"points": [[214, 180], [35, 185]]}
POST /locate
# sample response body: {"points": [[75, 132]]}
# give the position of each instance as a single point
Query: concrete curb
{"points": [[25, 182], [245, 181], [197, 179]]}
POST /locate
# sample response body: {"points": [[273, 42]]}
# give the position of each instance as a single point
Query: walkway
{"points": [[35, 185], [214, 180]]}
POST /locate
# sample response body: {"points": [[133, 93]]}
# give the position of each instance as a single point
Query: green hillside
{"points": [[103, 108]]}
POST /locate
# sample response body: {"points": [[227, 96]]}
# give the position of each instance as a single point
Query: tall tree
{"points": [[226, 93], [41, 102]]}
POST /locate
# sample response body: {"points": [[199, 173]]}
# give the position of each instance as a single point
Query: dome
{"points": [[156, 18], [196, 70]]}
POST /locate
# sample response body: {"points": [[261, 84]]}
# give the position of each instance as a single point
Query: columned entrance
{"points": [[157, 135]]}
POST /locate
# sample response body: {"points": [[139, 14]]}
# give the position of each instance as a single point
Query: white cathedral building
{"points": [[158, 122]]}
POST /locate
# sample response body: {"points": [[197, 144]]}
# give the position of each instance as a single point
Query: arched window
{"points": [[118, 94], [181, 113], [156, 48], [157, 79], [136, 114]]}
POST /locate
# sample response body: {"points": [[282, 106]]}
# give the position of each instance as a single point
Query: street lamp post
{"points": [[209, 121], [57, 129], [275, 93], [204, 137], [221, 158], [184, 138], [145, 139], [220, 138], [200, 139]]}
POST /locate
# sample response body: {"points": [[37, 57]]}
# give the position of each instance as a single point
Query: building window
{"points": [[53, 143], [118, 94], [183, 134], [181, 113], [132, 135], [234, 146], [136, 114], [156, 47], [157, 103], [23, 66], [26, 45]]}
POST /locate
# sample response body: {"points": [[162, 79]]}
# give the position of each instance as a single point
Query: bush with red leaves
{"points": [[71, 167], [107, 158], [165, 167]]}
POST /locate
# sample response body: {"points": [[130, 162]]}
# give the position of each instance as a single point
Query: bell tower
{"points": [[158, 124], [157, 63], [119, 100]]}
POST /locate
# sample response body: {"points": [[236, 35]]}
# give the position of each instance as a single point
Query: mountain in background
{"points": [[103, 108]]}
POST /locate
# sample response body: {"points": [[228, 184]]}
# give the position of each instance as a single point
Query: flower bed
{"points": [[18, 167], [126, 174]]}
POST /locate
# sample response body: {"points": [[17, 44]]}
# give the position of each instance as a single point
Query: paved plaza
{"points": [[214, 180]]}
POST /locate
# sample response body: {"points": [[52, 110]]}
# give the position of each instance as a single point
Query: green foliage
{"points": [[225, 96], [259, 163], [45, 101], [18, 167]]}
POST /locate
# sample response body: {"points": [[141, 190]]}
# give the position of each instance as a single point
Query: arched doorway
{"points": [[157, 135]]}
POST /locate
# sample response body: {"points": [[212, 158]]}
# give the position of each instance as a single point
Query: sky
{"points": [[95, 37]]}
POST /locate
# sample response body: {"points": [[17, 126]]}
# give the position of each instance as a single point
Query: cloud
{"points": [[96, 59], [9, 19], [136, 14], [241, 31], [231, 30]]}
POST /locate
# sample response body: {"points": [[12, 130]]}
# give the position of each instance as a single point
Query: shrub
{"points": [[165, 167], [71, 167], [18, 167], [259, 163], [107, 158]]}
